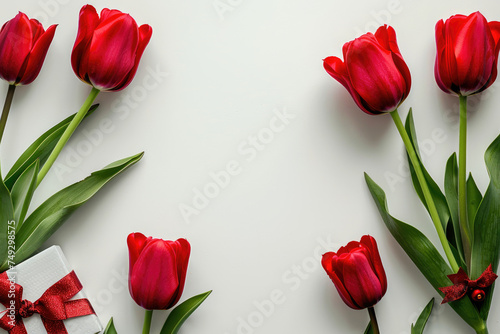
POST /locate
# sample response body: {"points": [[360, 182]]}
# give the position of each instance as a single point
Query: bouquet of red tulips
{"points": [[465, 219], [23, 46]]}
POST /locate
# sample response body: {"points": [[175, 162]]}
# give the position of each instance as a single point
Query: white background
{"points": [[209, 81]]}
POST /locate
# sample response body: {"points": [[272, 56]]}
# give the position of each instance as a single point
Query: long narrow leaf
{"points": [[419, 326], [6, 219], [436, 193], [474, 198], [110, 328], [50, 215], [486, 245], [423, 254], [22, 192], [369, 328], [451, 191], [40, 149], [179, 314]]}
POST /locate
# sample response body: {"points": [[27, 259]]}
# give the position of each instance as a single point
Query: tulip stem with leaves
{"points": [[6, 109], [410, 149], [80, 115], [462, 180]]}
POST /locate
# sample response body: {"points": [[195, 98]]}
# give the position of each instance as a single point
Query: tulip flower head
{"points": [[357, 272], [23, 47], [157, 270], [467, 54], [108, 49], [373, 71]]}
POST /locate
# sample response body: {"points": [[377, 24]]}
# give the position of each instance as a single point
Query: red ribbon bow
{"points": [[54, 305], [462, 284]]}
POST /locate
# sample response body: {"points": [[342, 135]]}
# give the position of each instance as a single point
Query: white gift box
{"points": [[39, 273]]}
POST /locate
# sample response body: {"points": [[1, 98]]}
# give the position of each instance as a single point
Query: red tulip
{"points": [[467, 54], [373, 71], [108, 49], [157, 270], [23, 47], [357, 272]]}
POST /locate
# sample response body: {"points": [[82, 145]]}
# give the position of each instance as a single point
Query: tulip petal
{"points": [[451, 29], [36, 29], [474, 53], [360, 280], [386, 36], [88, 21], [440, 70], [370, 243], [154, 278], [327, 263], [112, 52], [495, 33], [145, 33], [374, 75], [337, 69], [37, 56], [15, 45], [349, 247], [110, 14], [136, 243], [182, 250]]}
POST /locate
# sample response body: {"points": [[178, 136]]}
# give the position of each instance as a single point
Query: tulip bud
{"points": [[357, 272], [157, 270], [108, 49], [23, 47], [373, 71], [467, 54]]}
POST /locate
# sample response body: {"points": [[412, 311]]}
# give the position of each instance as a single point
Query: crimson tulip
{"points": [[373, 71], [108, 49], [23, 47], [157, 270], [357, 272], [467, 54]]}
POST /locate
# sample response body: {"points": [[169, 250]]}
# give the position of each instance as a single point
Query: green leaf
{"points": [[436, 193], [474, 198], [110, 328], [486, 245], [51, 214], [369, 328], [22, 192], [6, 219], [40, 149], [423, 254], [419, 326], [179, 314], [451, 191]]}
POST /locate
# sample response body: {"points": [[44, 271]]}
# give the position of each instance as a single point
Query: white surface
{"points": [[39, 273], [220, 79]]}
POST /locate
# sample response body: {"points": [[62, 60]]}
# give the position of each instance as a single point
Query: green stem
{"points": [[373, 320], [425, 190], [482, 330], [6, 109], [147, 321], [462, 175], [67, 134]]}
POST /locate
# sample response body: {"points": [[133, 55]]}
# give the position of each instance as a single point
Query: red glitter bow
{"points": [[462, 284], [54, 305]]}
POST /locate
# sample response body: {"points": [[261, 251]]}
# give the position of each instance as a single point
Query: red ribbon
{"points": [[462, 284], [53, 306]]}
